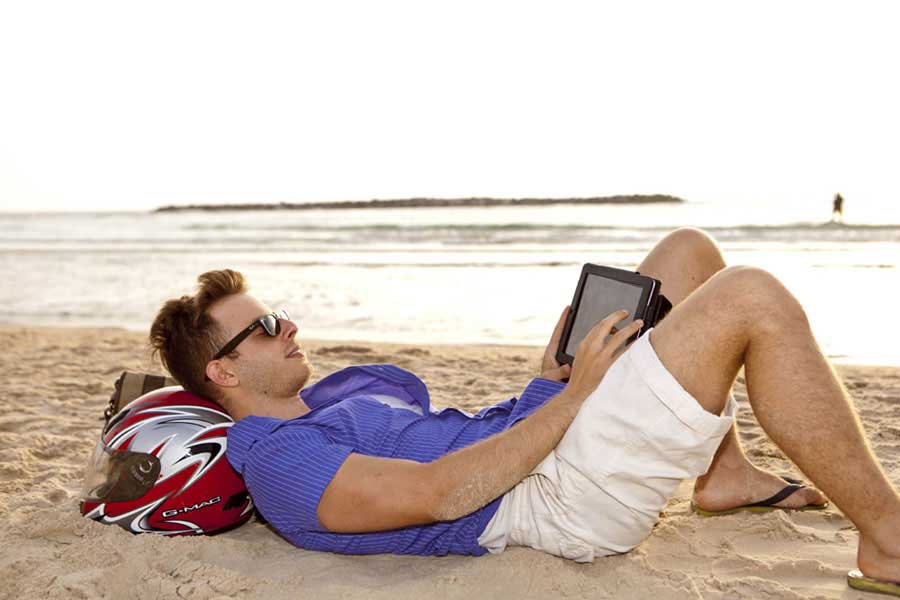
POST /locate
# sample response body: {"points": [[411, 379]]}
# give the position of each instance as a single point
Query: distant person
{"points": [[837, 209], [576, 470]]}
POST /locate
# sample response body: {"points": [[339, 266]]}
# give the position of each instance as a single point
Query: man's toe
{"points": [[806, 496], [814, 497]]}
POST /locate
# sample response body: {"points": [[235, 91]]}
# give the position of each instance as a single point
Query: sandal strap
{"points": [[784, 493]]}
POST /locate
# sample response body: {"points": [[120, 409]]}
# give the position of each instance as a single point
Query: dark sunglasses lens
{"points": [[271, 324]]}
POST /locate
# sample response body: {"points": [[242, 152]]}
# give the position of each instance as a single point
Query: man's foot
{"points": [[724, 489], [879, 568]]}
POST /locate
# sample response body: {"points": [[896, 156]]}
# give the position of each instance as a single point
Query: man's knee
{"points": [[755, 294], [697, 244]]}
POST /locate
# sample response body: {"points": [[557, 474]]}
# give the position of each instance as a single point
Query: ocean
{"points": [[476, 275]]}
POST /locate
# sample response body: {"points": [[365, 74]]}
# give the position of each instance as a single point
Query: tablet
{"points": [[602, 291]]}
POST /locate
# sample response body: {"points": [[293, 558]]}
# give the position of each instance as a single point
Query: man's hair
{"points": [[186, 337]]}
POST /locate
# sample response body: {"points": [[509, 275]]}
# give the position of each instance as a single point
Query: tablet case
{"points": [[655, 308]]}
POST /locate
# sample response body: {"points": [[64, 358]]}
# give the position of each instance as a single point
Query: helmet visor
{"points": [[118, 475]]}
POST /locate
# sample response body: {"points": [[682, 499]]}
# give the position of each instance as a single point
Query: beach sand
{"points": [[55, 385]]}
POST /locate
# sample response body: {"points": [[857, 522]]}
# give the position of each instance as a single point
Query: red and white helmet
{"points": [[160, 467]]}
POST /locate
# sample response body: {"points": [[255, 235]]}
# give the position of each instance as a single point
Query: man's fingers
{"points": [[632, 328], [561, 372], [557, 332], [561, 323], [553, 346], [603, 328], [616, 316], [617, 344], [626, 332]]}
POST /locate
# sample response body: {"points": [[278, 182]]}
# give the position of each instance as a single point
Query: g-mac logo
{"points": [[171, 513]]}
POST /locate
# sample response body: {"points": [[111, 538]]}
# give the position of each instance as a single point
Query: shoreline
{"points": [[426, 203]]}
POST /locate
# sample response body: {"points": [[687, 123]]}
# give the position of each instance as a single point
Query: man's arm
{"points": [[376, 494]]}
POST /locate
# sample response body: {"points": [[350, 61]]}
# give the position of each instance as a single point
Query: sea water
{"points": [[497, 275]]}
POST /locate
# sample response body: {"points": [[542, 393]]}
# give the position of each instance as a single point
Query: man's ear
{"points": [[219, 373]]}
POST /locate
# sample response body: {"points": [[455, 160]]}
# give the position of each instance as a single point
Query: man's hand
{"points": [[550, 368], [596, 354]]}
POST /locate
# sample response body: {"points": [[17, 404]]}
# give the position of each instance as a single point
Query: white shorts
{"points": [[600, 491]]}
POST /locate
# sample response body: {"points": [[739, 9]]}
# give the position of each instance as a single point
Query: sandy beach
{"points": [[55, 385]]}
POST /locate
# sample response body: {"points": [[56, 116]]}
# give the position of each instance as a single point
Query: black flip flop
{"points": [[766, 505]]}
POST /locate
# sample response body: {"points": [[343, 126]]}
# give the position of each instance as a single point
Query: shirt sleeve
{"points": [[505, 406], [287, 473], [538, 391], [536, 394]]}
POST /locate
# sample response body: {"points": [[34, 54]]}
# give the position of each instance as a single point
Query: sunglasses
{"points": [[271, 324]]}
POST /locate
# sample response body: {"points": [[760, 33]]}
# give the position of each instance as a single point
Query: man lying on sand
{"points": [[586, 473]]}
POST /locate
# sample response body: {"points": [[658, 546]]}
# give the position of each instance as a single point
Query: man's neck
{"points": [[289, 407]]}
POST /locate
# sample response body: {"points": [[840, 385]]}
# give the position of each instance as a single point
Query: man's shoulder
{"points": [[255, 436]]}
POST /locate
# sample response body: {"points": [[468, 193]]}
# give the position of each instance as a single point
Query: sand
{"points": [[55, 385]]}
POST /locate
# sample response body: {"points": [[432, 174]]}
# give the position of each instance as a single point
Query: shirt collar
{"points": [[374, 379]]}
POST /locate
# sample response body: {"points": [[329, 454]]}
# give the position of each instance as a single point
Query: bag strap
{"points": [[131, 385]]}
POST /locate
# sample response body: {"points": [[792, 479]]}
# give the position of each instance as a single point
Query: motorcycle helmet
{"points": [[160, 467]]}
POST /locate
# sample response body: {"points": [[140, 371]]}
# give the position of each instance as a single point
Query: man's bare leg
{"points": [[683, 260], [745, 316]]}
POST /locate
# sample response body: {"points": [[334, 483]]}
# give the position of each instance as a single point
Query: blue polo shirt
{"points": [[377, 410]]}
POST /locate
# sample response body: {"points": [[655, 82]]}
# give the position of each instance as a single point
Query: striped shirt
{"points": [[376, 410]]}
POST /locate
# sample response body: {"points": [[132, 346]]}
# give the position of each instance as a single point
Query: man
{"points": [[837, 209], [577, 470]]}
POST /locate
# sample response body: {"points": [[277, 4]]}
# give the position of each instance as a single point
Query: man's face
{"points": [[265, 365]]}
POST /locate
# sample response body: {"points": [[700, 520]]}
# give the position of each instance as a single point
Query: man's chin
{"points": [[310, 371]]}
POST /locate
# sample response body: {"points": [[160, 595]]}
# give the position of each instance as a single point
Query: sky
{"points": [[129, 106]]}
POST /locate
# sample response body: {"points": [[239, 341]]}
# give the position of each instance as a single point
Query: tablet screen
{"points": [[600, 298]]}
